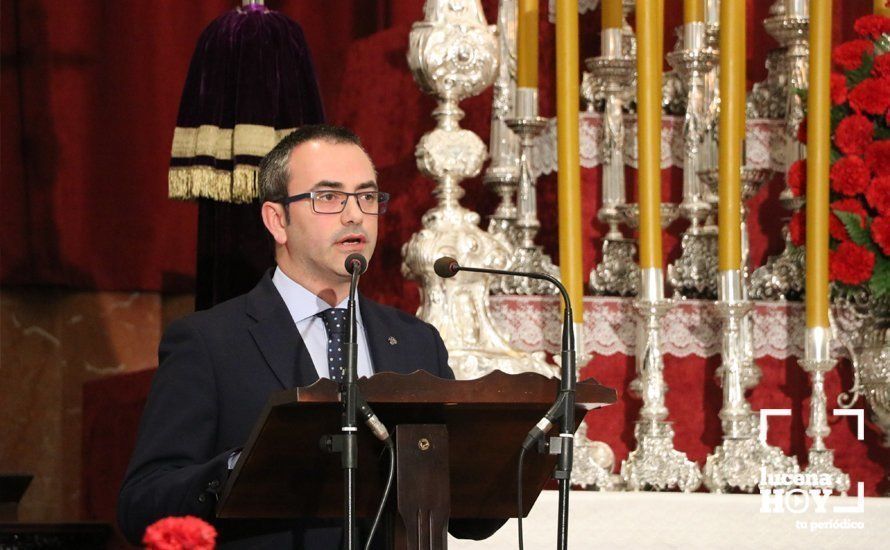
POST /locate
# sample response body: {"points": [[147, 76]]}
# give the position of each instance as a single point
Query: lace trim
{"points": [[584, 6]]}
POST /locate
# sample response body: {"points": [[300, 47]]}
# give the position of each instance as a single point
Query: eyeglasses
{"points": [[334, 202]]}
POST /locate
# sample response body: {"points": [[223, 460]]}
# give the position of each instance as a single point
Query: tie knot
{"points": [[334, 320]]}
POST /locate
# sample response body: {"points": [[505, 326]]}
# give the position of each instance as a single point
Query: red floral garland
{"points": [[180, 533]]}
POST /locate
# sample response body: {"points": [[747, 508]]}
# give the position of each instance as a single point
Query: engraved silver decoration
{"points": [[617, 273], [502, 174], [654, 464], [736, 464], [689, 275], [593, 463], [453, 55]]}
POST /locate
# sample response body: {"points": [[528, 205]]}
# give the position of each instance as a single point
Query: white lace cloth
{"points": [[764, 146], [584, 6], [691, 327]]}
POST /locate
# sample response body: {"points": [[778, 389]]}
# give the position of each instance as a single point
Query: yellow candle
{"points": [[527, 39], [732, 133], [818, 156], [569, 174], [649, 53], [612, 17], [881, 8], [693, 11]]}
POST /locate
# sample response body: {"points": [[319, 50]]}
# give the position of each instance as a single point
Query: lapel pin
{"points": [[392, 341]]}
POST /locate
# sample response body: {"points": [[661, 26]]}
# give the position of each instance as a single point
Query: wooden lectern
{"points": [[457, 446]]}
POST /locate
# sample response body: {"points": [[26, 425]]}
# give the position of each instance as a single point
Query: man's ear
{"points": [[274, 220]]}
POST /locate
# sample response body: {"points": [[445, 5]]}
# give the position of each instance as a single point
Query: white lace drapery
{"points": [[765, 144]]}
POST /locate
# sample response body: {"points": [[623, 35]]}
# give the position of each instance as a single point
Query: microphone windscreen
{"points": [[356, 261], [446, 267]]}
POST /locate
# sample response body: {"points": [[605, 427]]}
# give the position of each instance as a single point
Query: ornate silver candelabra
{"points": [[817, 361], [527, 256], [738, 461], [453, 55], [616, 273], [502, 174], [654, 464], [692, 273]]}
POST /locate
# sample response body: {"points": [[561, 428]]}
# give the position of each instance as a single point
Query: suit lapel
{"points": [[277, 337], [384, 344]]}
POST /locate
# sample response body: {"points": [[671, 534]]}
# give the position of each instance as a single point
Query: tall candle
{"points": [[568, 155], [818, 158], [881, 8], [612, 16], [693, 11], [527, 44], [731, 134], [649, 65]]}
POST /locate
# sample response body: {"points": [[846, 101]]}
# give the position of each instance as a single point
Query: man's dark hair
{"points": [[274, 174]]}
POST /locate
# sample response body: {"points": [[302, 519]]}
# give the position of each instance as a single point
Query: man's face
{"points": [[318, 244]]}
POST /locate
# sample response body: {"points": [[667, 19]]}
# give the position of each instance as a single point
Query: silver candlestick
{"points": [[453, 55], [688, 275], [614, 70], [654, 464], [738, 461], [782, 277], [502, 174], [817, 361], [527, 256]]}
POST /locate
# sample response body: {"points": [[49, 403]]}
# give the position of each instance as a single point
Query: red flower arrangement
{"points": [[859, 224], [849, 176], [851, 264], [854, 134], [180, 533]]}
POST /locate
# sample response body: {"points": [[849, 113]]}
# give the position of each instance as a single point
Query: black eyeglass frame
{"points": [[382, 200]]}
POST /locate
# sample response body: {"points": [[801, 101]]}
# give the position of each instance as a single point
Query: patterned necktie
{"points": [[335, 321]]}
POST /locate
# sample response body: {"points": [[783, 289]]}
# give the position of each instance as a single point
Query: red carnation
{"points": [[849, 176], [877, 158], [797, 178], [882, 65], [871, 96], [797, 228], [851, 264], [802, 131], [848, 55], [872, 26], [838, 88], [854, 134], [880, 233], [878, 195], [180, 533], [836, 227]]}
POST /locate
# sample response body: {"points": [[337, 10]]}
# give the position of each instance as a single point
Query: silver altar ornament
{"points": [[502, 174], [738, 462], [654, 464], [782, 276], [594, 462], [453, 55]]}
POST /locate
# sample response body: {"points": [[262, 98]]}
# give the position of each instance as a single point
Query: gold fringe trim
{"points": [[226, 143], [194, 182]]}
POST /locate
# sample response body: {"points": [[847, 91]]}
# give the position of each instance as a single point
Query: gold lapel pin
{"points": [[392, 341]]}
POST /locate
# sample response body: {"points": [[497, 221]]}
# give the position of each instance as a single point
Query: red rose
{"points": [[871, 96], [797, 178], [882, 65], [838, 88], [878, 195], [180, 533], [872, 26], [851, 264], [877, 158], [836, 227], [797, 228], [854, 134], [802, 131], [849, 176], [848, 55], [880, 233]]}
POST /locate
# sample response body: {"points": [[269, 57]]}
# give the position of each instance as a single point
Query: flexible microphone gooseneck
{"points": [[563, 409]]}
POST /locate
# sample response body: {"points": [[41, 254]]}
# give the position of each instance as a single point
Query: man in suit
{"points": [[320, 203]]}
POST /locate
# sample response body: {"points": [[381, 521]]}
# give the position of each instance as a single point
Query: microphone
{"points": [[356, 262], [446, 267]]}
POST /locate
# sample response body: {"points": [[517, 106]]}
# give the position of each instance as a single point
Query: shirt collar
{"points": [[303, 304]]}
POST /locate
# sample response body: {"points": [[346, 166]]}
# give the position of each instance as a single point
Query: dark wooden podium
{"points": [[457, 446]]}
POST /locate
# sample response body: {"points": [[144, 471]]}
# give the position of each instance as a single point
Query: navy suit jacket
{"points": [[217, 368]]}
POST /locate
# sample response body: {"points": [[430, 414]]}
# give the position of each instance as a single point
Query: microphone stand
{"points": [[349, 395], [563, 408]]}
